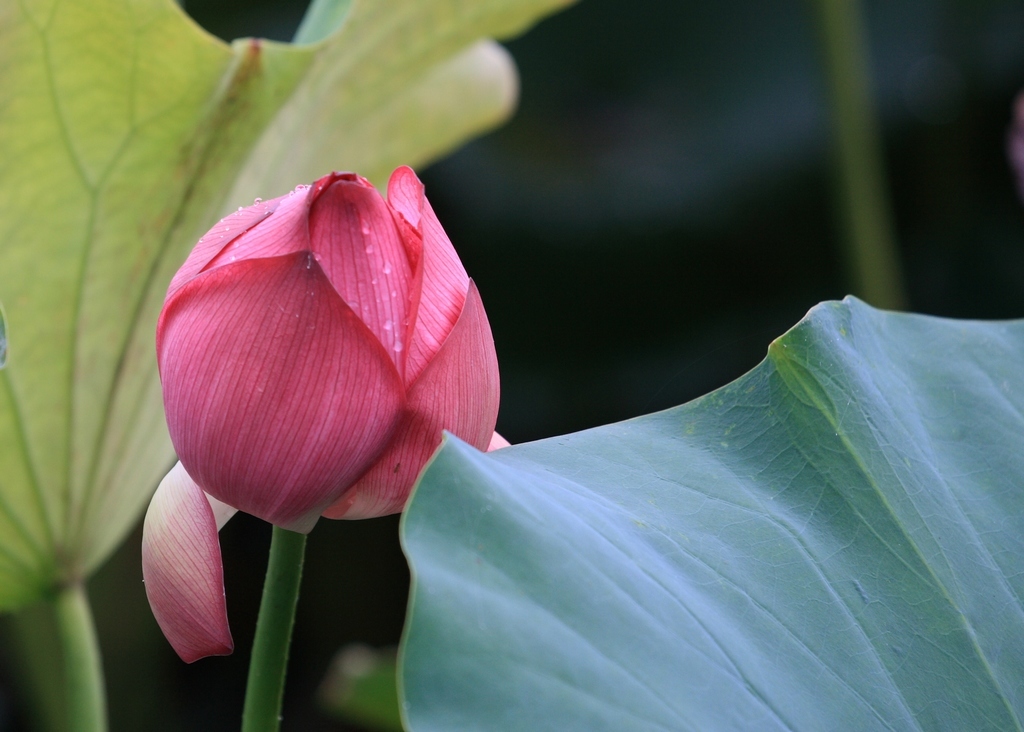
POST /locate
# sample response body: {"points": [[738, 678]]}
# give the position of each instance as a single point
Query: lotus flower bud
{"points": [[312, 350]]}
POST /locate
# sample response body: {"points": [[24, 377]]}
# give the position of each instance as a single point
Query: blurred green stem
{"points": [[83, 669], [872, 257], [269, 660]]}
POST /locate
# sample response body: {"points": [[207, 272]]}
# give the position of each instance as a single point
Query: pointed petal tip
{"points": [[182, 569], [405, 194]]}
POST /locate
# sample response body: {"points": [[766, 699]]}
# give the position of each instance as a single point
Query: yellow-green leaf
{"points": [[124, 129]]}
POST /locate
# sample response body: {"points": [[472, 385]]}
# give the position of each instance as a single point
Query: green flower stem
{"points": [[269, 660], [83, 669], [871, 250]]}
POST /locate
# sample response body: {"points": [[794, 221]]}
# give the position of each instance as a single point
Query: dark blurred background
{"points": [[658, 210]]}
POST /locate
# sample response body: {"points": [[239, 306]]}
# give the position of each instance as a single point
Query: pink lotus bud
{"points": [[312, 350]]}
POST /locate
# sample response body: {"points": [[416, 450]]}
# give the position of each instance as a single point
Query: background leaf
{"points": [[124, 127], [833, 541], [360, 688]]}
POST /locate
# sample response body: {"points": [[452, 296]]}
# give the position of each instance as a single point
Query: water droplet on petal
{"points": [[239, 208], [387, 268], [365, 228], [369, 248], [373, 281], [394, 293], [398, 346], [258, 200], [388, 325]]}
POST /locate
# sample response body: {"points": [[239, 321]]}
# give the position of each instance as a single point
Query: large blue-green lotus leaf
{"points": [[125, 132], [835, 541]]}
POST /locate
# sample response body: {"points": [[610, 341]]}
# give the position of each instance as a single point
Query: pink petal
{"points": [[497, 442], [445, 281], [182, 569], [285, 232], [356, 242], [277, 396], [216, 239], [458, 392]]}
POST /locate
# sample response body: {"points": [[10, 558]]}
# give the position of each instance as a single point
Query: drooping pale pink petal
{"points": [[444, 279], [458, 392], [221, 235], [182, 569], [358, 245], [277, 395], [497, 442]]}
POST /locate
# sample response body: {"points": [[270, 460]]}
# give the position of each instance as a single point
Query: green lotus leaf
{"points": [[833, 541]]}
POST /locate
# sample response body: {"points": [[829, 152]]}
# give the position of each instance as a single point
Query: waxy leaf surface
{"points": [[833, 541]]}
